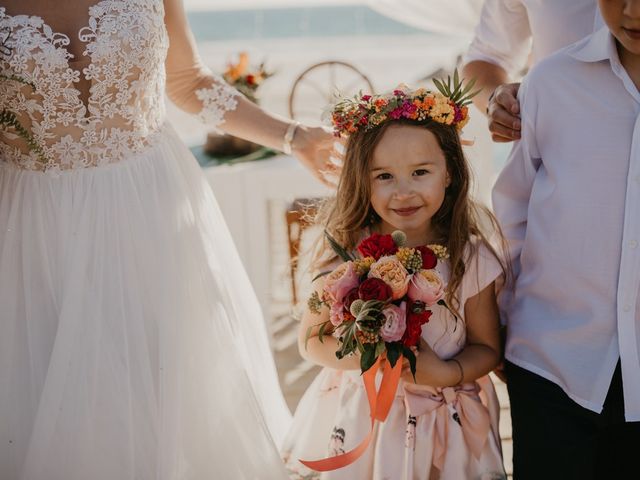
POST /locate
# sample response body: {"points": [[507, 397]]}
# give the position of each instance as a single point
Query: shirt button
{"points": [[633, 243], [627, 308]]}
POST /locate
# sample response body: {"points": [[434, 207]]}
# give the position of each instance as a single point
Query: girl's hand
{"points": [[315, 147], [431, 369], [426, 362]]}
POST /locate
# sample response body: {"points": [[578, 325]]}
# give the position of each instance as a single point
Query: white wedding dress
{"points": [[132, 346]]}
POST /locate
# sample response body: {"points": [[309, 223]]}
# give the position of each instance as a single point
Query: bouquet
{"points": [[244, 80], [377, 305], [379, 301]]}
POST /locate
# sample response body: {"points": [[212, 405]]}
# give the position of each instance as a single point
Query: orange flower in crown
{"points": [[448, 106]]}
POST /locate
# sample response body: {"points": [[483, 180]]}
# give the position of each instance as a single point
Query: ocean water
{"points": [[329, 21], [291, 39]]}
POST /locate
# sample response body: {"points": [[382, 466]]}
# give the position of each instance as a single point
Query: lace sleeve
{"points": [[191, 85]]}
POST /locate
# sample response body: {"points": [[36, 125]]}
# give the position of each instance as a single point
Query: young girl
{"points": [[404, 170]]}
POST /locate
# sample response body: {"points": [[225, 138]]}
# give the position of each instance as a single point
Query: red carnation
{"points": [[416, 317], [377, 246], [349, 298], [429, 259], [374, 289]]}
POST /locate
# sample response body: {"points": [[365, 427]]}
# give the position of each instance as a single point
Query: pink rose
{"points": [[393, 273], [340, 282], [395, 322], [336, 314], [426, 286]]}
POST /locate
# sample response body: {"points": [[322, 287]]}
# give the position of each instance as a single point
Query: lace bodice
{"points": [[48, 125]]}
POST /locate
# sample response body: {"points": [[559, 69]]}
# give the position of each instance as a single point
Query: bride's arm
{"points": [[193, 88]]}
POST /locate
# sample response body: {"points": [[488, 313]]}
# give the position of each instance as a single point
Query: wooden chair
{"points": [[299, 216]]}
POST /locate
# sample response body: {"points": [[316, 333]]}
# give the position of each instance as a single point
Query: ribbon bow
{"points": [[473, 415]]}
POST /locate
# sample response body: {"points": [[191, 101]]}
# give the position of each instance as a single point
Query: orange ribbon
{"points": [[379, 405]]}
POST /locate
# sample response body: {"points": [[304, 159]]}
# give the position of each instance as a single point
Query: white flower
{"points": [[91, 72], [71, 76]]}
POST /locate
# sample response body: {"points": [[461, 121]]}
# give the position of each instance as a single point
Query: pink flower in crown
{"points": [[340, 282], [426, 286], [399, 93], [396, 113], [395, 322], [458, 114], [408, 109], [366, 98]]}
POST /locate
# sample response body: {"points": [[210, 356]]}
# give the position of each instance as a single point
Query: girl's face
{"points": [[408, 181]]}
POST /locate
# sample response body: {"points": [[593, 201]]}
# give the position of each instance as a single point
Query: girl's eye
{"points": [[420, 172], [384, 176]]}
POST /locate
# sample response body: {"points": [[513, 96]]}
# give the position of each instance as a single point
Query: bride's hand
{"points": [[315, 147]]}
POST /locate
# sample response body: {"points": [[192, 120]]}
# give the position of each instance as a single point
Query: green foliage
{"points": [[409, 355], [315, 303], [368, 357], [321, 332], [394, 350], [340, 251], [9, 120], [458, 92]]}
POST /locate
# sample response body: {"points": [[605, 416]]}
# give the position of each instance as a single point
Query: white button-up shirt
{"points": [[506, 27], [569, 203]]}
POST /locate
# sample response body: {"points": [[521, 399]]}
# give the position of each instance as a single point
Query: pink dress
{"points": [[430, 433]]}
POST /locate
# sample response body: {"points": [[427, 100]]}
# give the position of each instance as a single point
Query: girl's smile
{"points": [[406, 212]]}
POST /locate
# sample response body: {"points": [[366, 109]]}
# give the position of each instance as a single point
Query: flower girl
{"points": [[434, 285]]}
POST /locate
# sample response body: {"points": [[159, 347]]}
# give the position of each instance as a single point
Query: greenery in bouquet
{"points": [[245, 79], [379, 299]]}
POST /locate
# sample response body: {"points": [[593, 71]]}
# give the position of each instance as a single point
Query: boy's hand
{"points": [[499, 372], [504, 113]]}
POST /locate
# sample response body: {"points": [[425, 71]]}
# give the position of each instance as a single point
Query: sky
{"points": [[191, 5]]}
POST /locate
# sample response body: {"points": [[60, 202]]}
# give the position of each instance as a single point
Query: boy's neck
{"points": [[631, 63]]}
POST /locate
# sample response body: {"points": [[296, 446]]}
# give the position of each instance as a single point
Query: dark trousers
{"points": [[555, 438]]}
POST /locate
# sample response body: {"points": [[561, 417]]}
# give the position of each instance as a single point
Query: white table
{"points": [[243, 192]]}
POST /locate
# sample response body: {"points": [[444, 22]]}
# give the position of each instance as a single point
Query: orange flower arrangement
{"points": [[244, 80]]}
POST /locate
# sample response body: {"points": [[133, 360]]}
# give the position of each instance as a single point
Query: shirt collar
{"points": [[597, 47]]}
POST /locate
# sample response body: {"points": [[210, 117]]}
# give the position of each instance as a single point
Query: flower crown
{"points": [[447, 106]]}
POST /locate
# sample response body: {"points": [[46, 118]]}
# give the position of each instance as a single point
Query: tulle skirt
{"points": [[132, 346]]}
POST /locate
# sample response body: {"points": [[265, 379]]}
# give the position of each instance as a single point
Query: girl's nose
{"points": [[403, 191]]}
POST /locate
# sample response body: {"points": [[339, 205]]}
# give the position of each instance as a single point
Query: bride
{"points": [[132, 346]]}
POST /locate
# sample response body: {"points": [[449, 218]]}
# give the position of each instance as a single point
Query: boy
{"points": [[569, 204]]}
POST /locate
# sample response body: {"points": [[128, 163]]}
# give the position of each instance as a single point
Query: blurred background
{"points": [[292, 57]]}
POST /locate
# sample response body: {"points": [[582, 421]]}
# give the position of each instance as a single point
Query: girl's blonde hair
{"points": [[457, 221]]}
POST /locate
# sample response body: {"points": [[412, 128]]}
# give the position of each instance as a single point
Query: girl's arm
{"points": [[322, 353], [193, 88], [480, 355]]}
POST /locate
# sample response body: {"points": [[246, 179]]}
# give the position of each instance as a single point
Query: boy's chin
{"points": [[628, 42]]}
